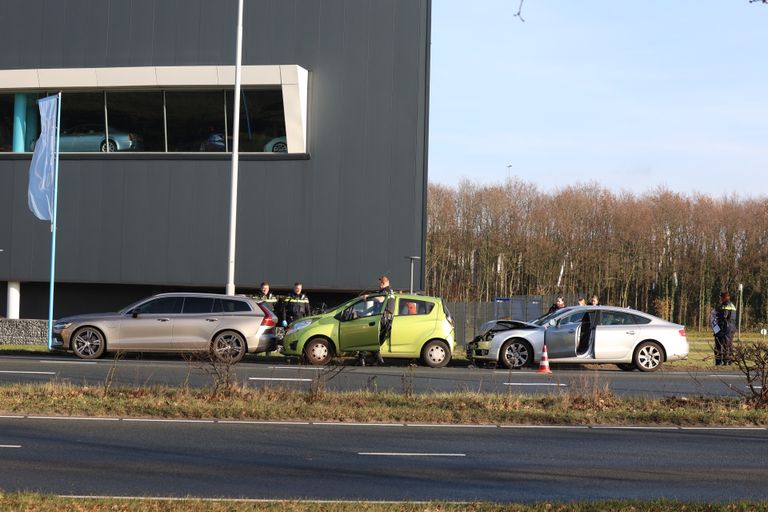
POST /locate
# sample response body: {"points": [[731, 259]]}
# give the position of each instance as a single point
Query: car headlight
{"points": [[60, 326], [301, 324]]}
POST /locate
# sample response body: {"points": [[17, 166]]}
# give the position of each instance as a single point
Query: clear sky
{"points": [[632, 95]]}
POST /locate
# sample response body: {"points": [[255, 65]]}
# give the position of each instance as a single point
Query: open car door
{"points": [[562, 337], [359, 324]]}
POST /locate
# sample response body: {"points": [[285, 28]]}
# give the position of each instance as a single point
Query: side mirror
{"points": [[135, 313]]}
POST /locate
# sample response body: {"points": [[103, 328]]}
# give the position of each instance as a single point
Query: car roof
{"points": [[201, 295]]}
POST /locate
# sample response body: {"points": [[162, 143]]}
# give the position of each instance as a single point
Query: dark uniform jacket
{"points": [[726, 318], [295, 307]]}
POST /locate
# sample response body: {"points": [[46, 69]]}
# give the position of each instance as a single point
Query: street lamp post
{"points": [[741, 292], [412, 258]]}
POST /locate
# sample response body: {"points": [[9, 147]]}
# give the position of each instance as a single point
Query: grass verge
{"points": [[42, 503], [588, 404]]}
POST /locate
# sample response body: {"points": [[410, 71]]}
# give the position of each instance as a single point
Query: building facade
{"points": [[333, 147]]}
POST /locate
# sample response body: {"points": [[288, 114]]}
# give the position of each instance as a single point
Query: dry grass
{"points": [[590, 403]]}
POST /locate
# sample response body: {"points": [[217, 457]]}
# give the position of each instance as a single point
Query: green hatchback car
{"points": [[421, 328]]}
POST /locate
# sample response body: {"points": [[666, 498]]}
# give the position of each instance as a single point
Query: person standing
{"points": [[726, 323], [581, 302], [385, 325], [559, 304], [265, 295], [594, 301], [295, 305]]}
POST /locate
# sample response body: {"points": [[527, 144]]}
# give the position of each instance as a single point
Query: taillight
{"points": [[682, 333], [268, 320]]}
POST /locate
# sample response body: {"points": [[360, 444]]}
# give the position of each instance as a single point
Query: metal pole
{"points": [[235, 153], [53, 221], [741, 292], [412, 258]]}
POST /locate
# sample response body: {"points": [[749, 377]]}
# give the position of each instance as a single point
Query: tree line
{"points": [[666, 253]]}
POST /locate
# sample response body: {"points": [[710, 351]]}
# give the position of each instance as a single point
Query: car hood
{"points": [[89, 317]]}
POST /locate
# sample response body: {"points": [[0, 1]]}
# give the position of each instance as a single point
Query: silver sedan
{"points": [[226, 327], [585, 334]]}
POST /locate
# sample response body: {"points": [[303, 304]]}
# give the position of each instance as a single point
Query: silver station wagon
{"points": [[225, 326], [631, 339]]}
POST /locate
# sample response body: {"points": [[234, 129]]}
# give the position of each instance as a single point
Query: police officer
{"points": [[385, 326], [265, 295], [295, 305], [726, 322]]}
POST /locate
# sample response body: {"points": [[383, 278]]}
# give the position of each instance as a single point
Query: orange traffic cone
{"points": [[544, 363]]}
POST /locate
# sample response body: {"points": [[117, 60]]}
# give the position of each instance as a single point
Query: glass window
{"points": [[162, 306], [6, 122], [82, 123], [262, 120], [195, 120], [573, 318], [369, 306], [136, 120], [197, 305], [616, 318], [415, 307], [230, 306]]}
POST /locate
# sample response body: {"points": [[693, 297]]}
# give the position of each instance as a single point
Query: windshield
{"points": [[542, 320]]}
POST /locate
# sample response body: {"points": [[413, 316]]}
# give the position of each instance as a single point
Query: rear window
{"points": [[415, 307], [197, 305], [231, 306]]}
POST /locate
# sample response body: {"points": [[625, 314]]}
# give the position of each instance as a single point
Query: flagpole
{"points": [[53, 220], [235, 154]]}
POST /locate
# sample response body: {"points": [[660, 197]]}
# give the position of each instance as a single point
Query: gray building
{"points": [[333, 140]]}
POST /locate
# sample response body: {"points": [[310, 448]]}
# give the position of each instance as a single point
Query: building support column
{"points": [[14, 300], [19, 122]]}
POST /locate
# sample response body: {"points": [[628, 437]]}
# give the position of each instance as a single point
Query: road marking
{"points": [[27, 373], [10, 446], [535, 384], [156, 420], [727, 375], [405, 454], [344, 424], [56, 361], [294, 368], [250, 500], [446, 425], [280, 379]]}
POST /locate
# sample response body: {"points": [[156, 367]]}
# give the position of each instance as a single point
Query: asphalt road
{"points": [[390, 462], [142, 370]]}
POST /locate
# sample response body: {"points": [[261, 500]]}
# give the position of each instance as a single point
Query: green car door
{"points": [[412, 326], [359, 324]]}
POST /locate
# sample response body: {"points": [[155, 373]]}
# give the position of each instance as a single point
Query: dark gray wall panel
{"points": [[350, 212]]}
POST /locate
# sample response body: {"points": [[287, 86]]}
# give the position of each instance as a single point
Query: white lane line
{"points": [[78, 418], [569, 427], [726, 376], [251, 500], [156, 420], [56, 361], [446, 425], [279, 379], [27, 373], [10, 446], [405, 454], [246, 422], [295, 368], [340, 424], [535, 384]]}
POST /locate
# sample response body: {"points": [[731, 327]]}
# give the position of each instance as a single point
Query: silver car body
{"points": [[189, 325], [606, 335]]}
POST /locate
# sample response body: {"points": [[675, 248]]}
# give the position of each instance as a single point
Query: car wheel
{"points": [[88, 343], [228, 347], [280, 147], [108, 145], [515, 353], [648, 357], [435, 354], [318, 351], [627, 367]]}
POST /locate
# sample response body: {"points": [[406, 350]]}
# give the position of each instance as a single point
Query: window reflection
{"points": [[195, 121], [82, 124], [140, 116], [6, 122], [262, 120], [174, 121]]}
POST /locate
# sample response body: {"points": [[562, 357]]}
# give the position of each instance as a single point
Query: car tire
{"points": [[111, 144], [627, 367], [318, 352], [88, 343], [280, 147], [515, 354], [648, 356], [435, 354], [228, 347]]}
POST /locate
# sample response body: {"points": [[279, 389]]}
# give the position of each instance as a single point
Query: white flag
{"points": [[40, 192]]}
